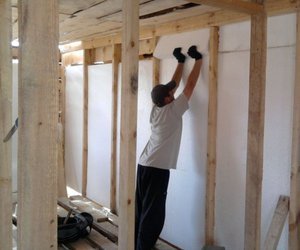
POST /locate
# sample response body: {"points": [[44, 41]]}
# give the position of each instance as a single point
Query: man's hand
{"points": [[193, 53], [178, 55]]}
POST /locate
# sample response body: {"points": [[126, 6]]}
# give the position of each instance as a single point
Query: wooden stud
{"points": [[38, 114], [277, 223], [294, 215], [156, 67], [61, 177], [75, 57], [113, 162], [88, 59], [211, 137], [104, 54], [5, 125], [129, 91], [234, 5], [255, 130]]}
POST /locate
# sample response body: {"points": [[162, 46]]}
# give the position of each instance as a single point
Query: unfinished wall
{"points": [[99, 137], [74, 127], [186, 194], [187, 185]]}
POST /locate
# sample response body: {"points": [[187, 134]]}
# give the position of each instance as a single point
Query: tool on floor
{"points": [[12, 131]]}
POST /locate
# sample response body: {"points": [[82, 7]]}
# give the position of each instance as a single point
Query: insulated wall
{"points": [[185, 217], [74, 127], [99, 133], [186, 194]]}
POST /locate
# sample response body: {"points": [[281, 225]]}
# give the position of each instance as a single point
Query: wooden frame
{"points": [[294, 215], [32, 93], [256, 116], [211, 160], [218, 18], [277, 223], [88, 59], [37, 172], [6, 123], [233, 5], [130, 51], [113, 168]]}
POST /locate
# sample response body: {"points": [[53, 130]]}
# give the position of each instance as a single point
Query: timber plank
{"points": [[211, 137], [5, 124], [116, 59], [277, 223], [88, 59], [233, 5], [38, 115], [129, 89], [82, 202], [294, 214], [102, 241], [109, 228], [81, 244], [256, 114], [79, 207]]}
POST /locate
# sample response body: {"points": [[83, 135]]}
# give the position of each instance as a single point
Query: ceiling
{"points": [[90, 20], [86, 19]]}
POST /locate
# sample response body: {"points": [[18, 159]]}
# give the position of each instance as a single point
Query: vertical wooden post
{"points": [[88, 58], [5, 124], [38, 108], [255, 129], [211, 136], [113, 162], [156, 67], [130, 49], [294, 215], [61, 177]]}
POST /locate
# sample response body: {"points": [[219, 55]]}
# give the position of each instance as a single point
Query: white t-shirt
{"points": [[162, 149]]}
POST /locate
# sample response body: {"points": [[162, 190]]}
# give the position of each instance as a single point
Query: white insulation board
{"points": [[185, 215]]}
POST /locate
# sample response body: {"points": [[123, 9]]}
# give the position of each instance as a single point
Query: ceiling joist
{"points": [[234, 5], [217, 18]]}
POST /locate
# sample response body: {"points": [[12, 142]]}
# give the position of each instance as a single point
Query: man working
{"points": [[161, 151]]}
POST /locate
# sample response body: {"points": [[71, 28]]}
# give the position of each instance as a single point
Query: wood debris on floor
{"points": [[104, 234]]}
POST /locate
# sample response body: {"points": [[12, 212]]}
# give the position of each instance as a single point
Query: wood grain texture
{"points": [[233, 5], [88, 59], [277, 223], [211, 160], [38, 115], [113, 161], [294, 215], [5, 125], [256, 114], [129, 89]]}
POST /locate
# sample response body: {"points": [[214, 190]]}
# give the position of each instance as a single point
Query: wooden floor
{"points": [[104, 234]]}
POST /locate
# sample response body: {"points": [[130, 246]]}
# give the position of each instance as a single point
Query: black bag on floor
{"points": [[74, 228]]}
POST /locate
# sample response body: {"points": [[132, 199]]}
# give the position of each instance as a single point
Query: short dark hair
{"points": [[160, 91]]}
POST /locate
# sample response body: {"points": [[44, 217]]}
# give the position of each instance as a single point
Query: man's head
{"points": [[163, 94]]}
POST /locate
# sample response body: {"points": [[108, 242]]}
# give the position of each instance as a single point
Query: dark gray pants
{"points": [[150, 203]]}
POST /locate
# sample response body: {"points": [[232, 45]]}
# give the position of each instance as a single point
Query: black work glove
{"points": [[193, 53], [178, 55]]}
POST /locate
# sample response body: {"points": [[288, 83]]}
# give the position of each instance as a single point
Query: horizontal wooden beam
{"points": [[218, 18], [233, 5]]}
